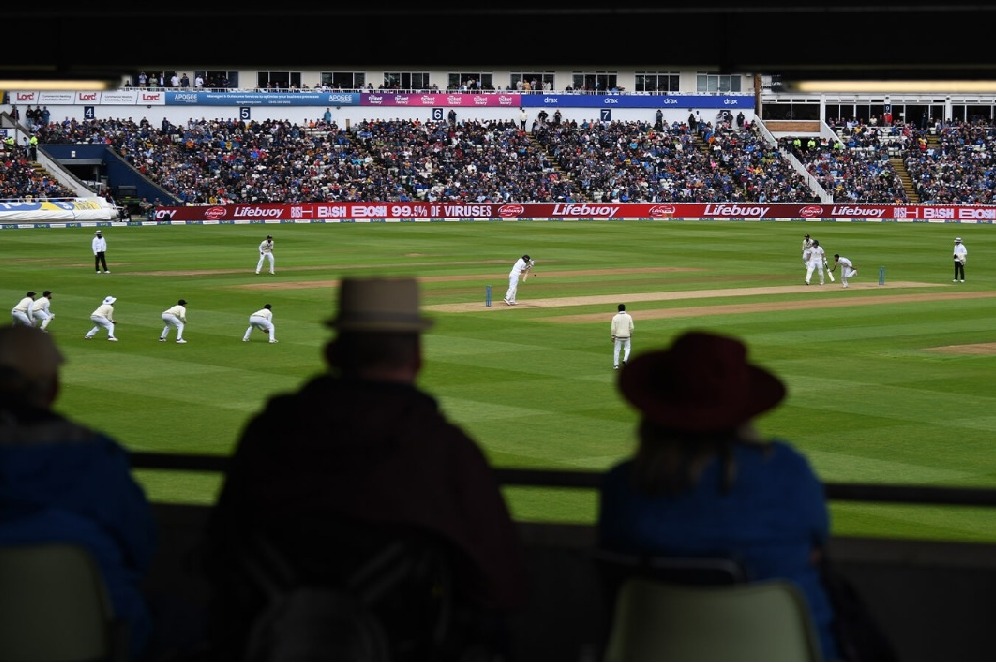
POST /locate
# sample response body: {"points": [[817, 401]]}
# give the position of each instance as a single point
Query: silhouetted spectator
{"points": [[358, 458], [702, 481], [62, 481]]}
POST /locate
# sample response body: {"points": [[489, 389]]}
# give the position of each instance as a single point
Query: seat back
{"points": [[54, 605], [764, 621], [379, 594], [615, 567]]}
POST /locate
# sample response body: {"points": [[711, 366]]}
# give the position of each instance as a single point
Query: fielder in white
{"points": [[103, 317], [622, 335], [21, 313], [807, 242], [41, 314], [262, 320], [815, 257], [847, 269], [265, 253], [519, 270], [175, 317]]}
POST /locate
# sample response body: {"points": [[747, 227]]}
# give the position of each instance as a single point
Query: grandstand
{"points": [[186, 143]]}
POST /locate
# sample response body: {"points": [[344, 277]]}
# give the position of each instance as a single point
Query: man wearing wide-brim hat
{"points": [[361, 447]]}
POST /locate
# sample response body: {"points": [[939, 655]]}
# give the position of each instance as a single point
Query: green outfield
{"points": [[888, 383]]}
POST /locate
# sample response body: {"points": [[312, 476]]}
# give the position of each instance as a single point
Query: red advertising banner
{"points": [[510, 99], [338, 212]]}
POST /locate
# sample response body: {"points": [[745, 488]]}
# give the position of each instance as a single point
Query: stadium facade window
{"points": [[537, 80], [218, 78], [278, 80], [706, 83], [407, 80], [470, 81], [649, 81], [922, 113], [343, 80], [973, 112], [597, 81], [790, 111]]}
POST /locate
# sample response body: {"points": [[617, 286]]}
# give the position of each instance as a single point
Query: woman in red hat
{"points": [[703, 483]]}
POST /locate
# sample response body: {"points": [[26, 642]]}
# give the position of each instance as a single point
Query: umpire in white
{"points": [[99, 246]]}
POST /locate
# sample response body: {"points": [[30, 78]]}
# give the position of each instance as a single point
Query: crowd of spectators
{"points": [[949, 162], [961, 169], [20, 180], [224, 161], [854, 169], [495, 161], [637, 162]]}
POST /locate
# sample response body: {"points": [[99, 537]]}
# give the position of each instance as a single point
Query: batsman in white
{"points": [[262, 320], [847, 269], [815, 258], [519, 270]]}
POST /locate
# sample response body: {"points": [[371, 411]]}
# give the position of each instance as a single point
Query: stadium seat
{"points": [[615, 567], [764, 621], [54, 606]]}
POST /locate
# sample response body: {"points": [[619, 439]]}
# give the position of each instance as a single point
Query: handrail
{"points": [[589, 479]]}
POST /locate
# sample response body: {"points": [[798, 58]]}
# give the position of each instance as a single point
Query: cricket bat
{"points": [[829, 273]]}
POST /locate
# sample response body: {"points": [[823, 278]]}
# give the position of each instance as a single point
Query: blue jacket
{"points": [[60, 481], [771, 520]]}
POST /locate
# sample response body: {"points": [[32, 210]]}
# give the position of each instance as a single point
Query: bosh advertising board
{"points": [[417, 211]]}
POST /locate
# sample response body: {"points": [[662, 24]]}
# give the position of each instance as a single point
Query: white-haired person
{"points": [[103, 317], [702, 482]]}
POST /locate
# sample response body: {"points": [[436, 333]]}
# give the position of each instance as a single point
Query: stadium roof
{"points": [[793, 38]]}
